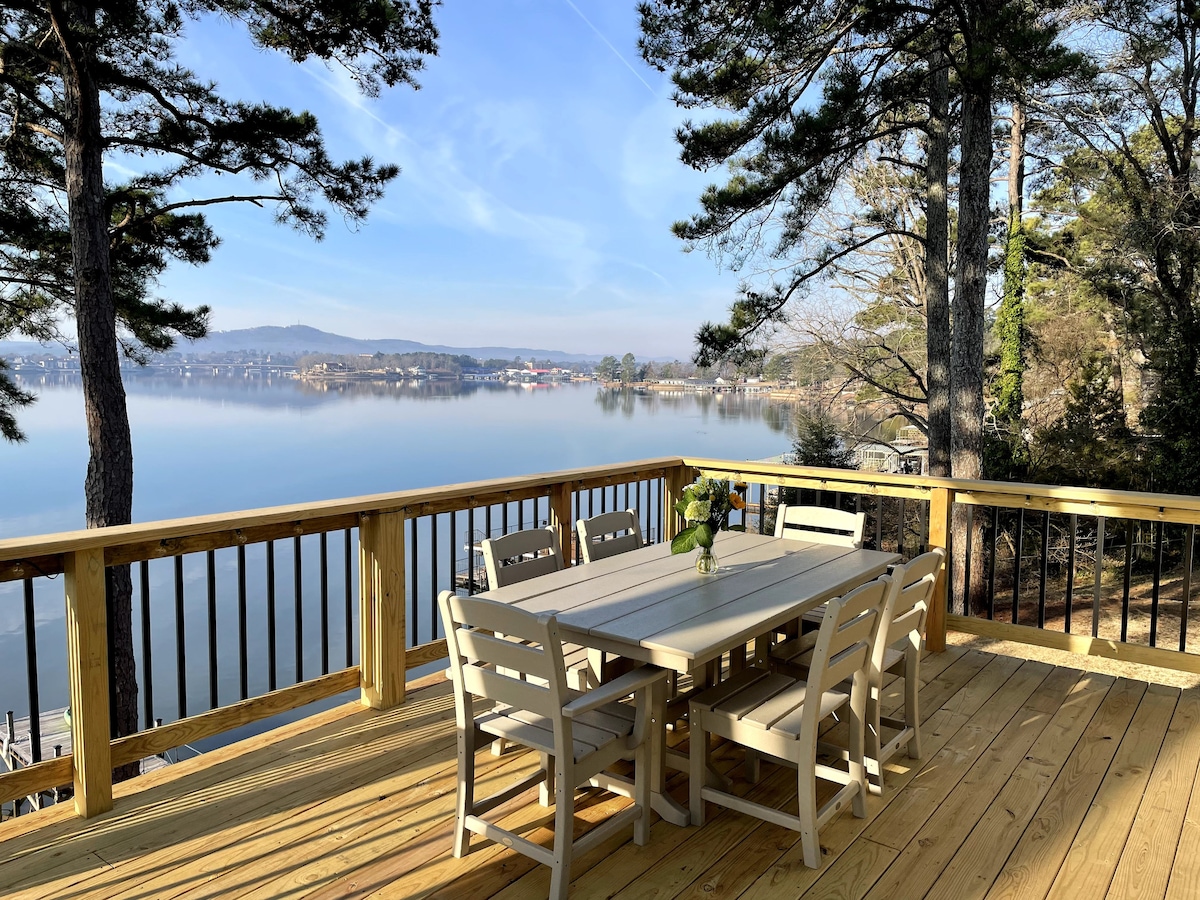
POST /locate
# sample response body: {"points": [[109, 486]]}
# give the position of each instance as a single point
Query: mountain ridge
{"points": [[297, 339]]}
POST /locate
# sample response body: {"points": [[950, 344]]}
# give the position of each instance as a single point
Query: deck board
{"points": [[1037, 782]]}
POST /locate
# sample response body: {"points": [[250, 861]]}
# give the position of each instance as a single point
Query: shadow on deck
{"points": [[1037, 781]]}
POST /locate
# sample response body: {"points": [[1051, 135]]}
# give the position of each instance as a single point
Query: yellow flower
{"points": [[736, 501]]}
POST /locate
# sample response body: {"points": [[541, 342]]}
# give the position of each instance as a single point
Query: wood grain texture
{"points": [[226, 718], [1076, 643], [87, 665], [382, 636], [43, 776], [355, 802]]}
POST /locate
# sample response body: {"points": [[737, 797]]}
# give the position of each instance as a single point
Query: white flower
{"points": [[697, 511]]}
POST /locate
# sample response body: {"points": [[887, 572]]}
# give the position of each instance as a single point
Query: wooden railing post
{"points": [[941, 502], [382, 628], [560, 519], [678, 477], [87, 664]]}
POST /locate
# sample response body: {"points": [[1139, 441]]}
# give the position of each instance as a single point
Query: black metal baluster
{"points": [[991, 565], [31, 676], [1186, 599], [922, 527], [1159, 542], [147, 658], [879, 522], [350, 603], [578, 546], [324, 565], [1074, 525], [243, 630], [1044, 570], [412, 637], [504, 518], [271, 660], [211, 573], [180, 643], [1097, 576], [520, 515], [433, 569], [1128, 577], [900, 530], [453, 561], [470, 550], [298, 576], [1020, 549]]}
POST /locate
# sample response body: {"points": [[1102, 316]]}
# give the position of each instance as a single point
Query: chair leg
{"points": [[752, 767], [641, 791], [874, 748], [546, 788], [697, 765], [912, 686], [564, 831], [498, 747], [806, 794], [466, 795]]}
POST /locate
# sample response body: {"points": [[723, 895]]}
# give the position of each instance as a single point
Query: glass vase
{"points": [[706, 563]]}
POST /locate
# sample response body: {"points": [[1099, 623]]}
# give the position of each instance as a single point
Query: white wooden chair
{"points": [[579, 735], [821, 525], [520, 555], [897, 650], [774, 714], [608, 534]]}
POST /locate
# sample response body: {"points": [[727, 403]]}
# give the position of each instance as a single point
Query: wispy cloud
{"points": [[608, 43]]}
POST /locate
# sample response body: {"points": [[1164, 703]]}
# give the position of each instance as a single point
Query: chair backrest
{"points": [[915, 583], [849, 629], [484, 665], [521, 555], [608, 534], [821, 525]]}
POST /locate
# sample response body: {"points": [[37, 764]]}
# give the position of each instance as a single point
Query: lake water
{"points": [[222, 444], [208, 445]]}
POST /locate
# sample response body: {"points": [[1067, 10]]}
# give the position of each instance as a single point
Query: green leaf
{"points": [[704, 535], [685, 540], [736, 528]]}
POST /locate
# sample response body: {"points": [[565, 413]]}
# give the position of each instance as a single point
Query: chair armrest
{"points": [[621, 686]]}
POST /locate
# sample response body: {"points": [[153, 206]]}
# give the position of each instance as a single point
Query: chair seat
{"points": [[756, 699], [591, 731]]}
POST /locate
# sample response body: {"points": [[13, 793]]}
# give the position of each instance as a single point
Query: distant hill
{"points": [[294, 339]]}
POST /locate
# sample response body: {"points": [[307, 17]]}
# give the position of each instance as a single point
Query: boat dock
{"points": [[54, 738]]}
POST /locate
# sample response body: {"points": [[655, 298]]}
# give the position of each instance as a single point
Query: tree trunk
{"points": [[970, 285], [937, 299], [1010, 320], [108, 487]]}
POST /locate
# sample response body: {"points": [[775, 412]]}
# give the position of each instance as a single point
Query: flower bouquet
{"points": [[706, 506]]}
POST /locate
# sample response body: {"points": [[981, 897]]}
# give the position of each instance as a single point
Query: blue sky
{"points": [[539, 180]]}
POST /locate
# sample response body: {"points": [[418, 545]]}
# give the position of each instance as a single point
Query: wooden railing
{"points": [[907, 512], [387, 591]]}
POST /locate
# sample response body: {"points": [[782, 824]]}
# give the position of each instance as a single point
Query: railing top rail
{"points": [[991, 489], [167, 529], [1154, 505]]}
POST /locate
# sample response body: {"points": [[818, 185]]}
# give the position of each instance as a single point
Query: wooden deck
{"points": [[1036, 782]]}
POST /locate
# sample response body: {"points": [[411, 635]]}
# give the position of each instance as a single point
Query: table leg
{"points": [[660, 801]]}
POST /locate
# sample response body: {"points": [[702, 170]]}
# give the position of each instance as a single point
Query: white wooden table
{"points": [[654, 607]]}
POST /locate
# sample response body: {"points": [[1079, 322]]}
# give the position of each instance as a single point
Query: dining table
{"points": [[652, 606]]}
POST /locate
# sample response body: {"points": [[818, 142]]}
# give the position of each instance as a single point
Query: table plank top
{"points": [[650, 605]]}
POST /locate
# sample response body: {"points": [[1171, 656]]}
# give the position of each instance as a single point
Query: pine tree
{"points": [[82, 85]]}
